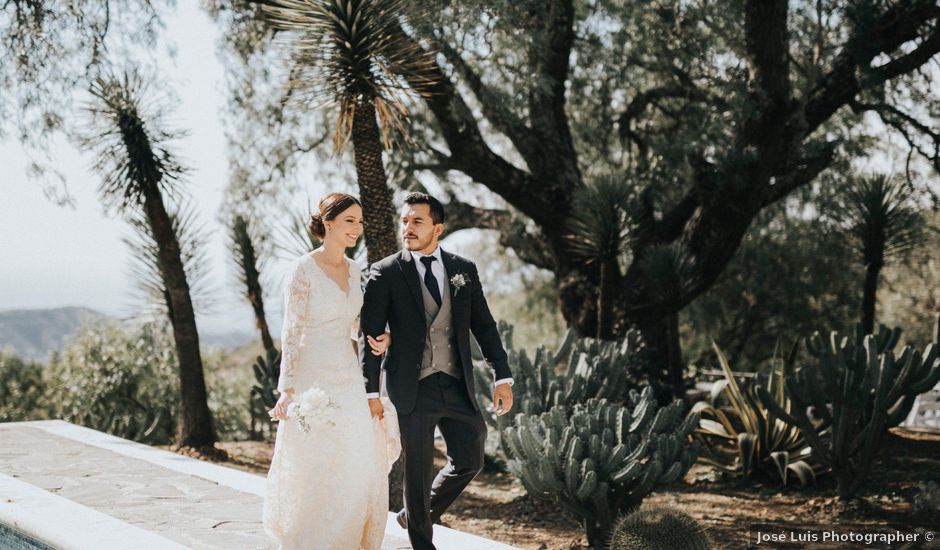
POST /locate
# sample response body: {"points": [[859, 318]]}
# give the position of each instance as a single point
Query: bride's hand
{"points": [[376, 408], [279, 412], [381, 344]]}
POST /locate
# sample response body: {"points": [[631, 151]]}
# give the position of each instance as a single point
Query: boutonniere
{"points": [[458, 281]]}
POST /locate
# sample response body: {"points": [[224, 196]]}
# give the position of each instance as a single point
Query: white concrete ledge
{"points": [[65, 525]]}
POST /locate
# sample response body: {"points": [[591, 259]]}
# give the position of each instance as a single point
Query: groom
{"points": [[431, 300]]}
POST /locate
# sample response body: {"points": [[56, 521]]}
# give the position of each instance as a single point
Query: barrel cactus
{"points": [[599, 459], [658, 528], [858, 388]]}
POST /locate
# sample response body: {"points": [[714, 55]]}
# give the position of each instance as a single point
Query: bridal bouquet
{"points": [[313, 406]]}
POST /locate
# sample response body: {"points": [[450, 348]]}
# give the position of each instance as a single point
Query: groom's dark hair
{"points": [[437, 209]]}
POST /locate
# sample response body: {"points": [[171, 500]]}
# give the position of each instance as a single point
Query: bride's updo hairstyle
{"points": [[331, 206]]}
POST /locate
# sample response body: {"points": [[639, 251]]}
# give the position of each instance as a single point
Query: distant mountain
{"points": [[227, 340], [36, 333]]}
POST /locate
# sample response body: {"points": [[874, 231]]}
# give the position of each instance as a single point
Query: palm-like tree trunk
{"points": [[194, 428], [870, 296], [254, 294], [377, 207], [379, 214], [606, 298]]}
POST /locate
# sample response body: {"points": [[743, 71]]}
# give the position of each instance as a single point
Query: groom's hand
{"points": [[379, 344], [376, 408], [502, 399]]}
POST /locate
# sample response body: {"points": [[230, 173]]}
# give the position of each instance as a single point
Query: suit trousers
{"points": [[442, 402]]}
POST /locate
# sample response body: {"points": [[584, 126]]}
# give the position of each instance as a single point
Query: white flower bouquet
{"points": [[313, 406]]}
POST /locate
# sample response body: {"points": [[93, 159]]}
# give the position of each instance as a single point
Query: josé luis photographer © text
{"points": [[805, 535]]}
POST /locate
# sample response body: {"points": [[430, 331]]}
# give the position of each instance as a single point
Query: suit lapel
{"points": [[452, 267], [407, 264]]}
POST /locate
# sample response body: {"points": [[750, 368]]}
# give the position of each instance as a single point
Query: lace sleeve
{"points": [[296, 295]]}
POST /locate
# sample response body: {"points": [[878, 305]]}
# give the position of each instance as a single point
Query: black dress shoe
{"points": [[402, 520]]}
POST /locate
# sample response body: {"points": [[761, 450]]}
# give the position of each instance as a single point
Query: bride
{"points": [[327, 489]]}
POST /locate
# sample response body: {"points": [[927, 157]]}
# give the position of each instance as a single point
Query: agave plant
{"points": [[355, 54], [745, 437], [138, 174]]}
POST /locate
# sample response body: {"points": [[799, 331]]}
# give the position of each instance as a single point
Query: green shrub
{"points": [[119, 379], [228, 385], [21, 390]]}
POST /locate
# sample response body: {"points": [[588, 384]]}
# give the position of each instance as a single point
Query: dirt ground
{"points": [[497, 507]]}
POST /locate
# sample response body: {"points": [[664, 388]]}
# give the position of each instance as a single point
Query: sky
{"points": [[53, 256]]}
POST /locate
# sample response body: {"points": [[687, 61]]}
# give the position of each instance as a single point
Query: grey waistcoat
{"points": [[440, 343]]}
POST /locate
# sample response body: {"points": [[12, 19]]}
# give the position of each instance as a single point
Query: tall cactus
{"points": [[859, 388], [598, 459], [264, 392], [578, 370]]}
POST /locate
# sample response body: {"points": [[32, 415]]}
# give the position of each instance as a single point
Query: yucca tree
{"points": [[884, 225], [600, 235], [139, 173], [191, 236], [352, 54], [246, 245]]}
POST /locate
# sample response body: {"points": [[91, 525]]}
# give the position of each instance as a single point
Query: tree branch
{"points": [[851, 72], [470, 154], [494, 104], [461, 215], [896, 118], [807, 169], [512, 230]]}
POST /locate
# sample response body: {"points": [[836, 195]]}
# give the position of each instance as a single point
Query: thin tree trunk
{"points": [[872, 270], [377, 208], [257, 304], [606, 298], [674, 355], [194, 427]]}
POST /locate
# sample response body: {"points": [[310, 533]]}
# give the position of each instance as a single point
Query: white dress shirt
{"points": [[437, 269]]}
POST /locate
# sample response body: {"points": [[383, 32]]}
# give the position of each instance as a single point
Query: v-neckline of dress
{"points": [[346, 293]]}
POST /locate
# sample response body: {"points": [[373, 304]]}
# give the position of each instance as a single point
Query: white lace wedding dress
{"points": [[328, 489]]}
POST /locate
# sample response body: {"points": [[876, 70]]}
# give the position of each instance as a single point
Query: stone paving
{"points": [[189, 510]]}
